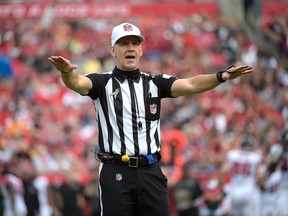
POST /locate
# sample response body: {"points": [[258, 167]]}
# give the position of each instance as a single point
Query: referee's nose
{"points": [[131, 45]]}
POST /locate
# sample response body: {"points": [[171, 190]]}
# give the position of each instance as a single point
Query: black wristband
{"points": [[219, 76]]}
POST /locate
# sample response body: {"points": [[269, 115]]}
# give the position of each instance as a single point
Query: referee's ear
{"points": [[112, 51]]}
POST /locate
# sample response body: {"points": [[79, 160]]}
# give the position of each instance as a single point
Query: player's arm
{"points": [[71, 79], [261, 173], [274, 157], [205, 82]]}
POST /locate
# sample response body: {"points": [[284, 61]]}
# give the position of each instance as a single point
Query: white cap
{"points": [[125, 29]]}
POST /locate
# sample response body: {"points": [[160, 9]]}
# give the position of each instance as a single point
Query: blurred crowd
{"points": [[102, 1], [48, 131]]}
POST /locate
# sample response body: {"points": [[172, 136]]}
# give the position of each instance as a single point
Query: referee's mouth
{"points": [[130, 57]]}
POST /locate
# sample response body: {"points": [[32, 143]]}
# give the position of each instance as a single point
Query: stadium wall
{"points": [[102, 10]]}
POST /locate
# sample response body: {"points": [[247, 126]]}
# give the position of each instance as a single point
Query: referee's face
{"points": [[127, 51]]}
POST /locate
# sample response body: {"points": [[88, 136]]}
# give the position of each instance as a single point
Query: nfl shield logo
{"points": [[118, 177], [153, 108], [127, 27]]}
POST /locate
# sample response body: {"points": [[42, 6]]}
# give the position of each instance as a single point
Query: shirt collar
{"points": [[121, 75]]}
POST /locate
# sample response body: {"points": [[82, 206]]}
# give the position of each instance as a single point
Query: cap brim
{"points": [[140, 37]]}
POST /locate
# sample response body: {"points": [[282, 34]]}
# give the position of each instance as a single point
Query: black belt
{"points": [[130, 161]]}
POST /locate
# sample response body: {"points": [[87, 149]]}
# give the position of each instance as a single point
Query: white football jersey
{"points": [[243, 165], [271, 186], [19, 203]]}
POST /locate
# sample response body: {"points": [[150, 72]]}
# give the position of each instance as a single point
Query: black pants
{"points": [[126, 191]]}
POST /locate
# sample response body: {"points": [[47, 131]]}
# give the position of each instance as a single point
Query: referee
{"points": [[127, 104]]}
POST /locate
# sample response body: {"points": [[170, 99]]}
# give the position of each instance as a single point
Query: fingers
{"points": [[73, 67], [54, 60], [58, 59], [236, 71], [243, 69], [246, 69], [61, 63], [62, 59]]}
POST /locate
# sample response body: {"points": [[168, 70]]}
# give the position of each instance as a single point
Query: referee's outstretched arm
{"points": [[205, 82], [71, 79]]}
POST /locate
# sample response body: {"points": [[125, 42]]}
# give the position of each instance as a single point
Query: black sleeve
{"points": [[98, 84], [164, 83]]}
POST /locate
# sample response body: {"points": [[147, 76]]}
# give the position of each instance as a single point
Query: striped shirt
{"points": [[127, 108]]}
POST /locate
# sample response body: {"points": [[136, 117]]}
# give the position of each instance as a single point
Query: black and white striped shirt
{"points": [[127, 108]]}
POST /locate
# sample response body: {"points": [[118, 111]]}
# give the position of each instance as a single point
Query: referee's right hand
{"points": [[62, 64]]}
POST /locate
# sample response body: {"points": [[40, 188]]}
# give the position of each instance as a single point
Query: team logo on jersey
{"points": [[115, 93], [118, 177], [153, 108]]}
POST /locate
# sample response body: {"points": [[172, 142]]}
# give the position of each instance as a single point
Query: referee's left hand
{"points": [[236, 71]]}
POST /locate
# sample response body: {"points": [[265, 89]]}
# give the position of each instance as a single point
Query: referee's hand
{"points": [[62, 64], [236, 71]]}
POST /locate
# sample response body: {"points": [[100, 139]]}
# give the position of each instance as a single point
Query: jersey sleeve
{"points": [[164, 83], [98, 83]]}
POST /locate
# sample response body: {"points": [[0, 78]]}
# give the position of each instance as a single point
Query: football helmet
{"points": [[247, 143]]}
